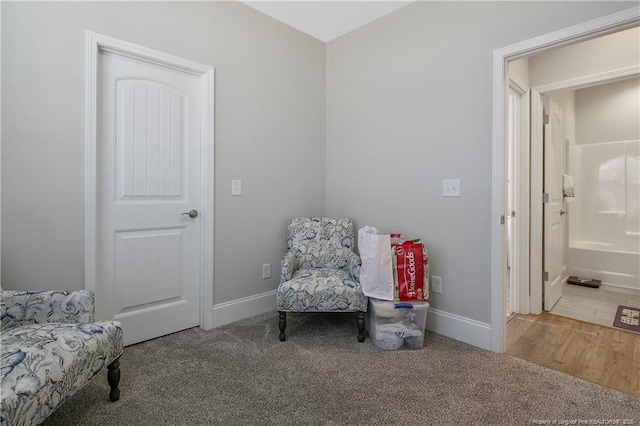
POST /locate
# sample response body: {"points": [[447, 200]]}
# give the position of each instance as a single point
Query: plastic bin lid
{"points": [[409, 304]]}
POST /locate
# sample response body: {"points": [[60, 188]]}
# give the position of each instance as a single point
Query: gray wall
{"points": [[608, 113], [409, 102], [270, 131]]}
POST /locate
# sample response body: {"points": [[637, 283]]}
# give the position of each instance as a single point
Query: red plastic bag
{"points": [[411, 270]]}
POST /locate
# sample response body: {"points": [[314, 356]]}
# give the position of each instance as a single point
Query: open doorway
{"points": [[600, 246], [599, 117], [528, 50]]}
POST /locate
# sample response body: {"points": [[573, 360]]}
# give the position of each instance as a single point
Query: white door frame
{"points": [[96, 43], [597, 27], [519, 279]]}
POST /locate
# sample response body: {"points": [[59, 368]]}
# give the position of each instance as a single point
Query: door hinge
{"points": [[513, 213], [502, 220], [545, 197], [545, 119], [545, 276]]}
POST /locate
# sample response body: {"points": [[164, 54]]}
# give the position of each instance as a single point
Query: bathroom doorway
{"points": [[536, 71], [602, 158], [532, 333]]}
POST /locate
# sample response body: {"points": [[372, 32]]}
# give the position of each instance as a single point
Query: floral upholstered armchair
{"points": [[320, 271], [50, 349]]}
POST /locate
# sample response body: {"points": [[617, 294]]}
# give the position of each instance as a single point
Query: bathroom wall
{"points": [[608, 175]]}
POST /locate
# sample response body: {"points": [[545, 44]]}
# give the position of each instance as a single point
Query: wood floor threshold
{"points": [[608, 356], [599, 325], [580, 321]]}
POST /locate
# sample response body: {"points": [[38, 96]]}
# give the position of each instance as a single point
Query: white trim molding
{"points": [[466, 330], [597, 27], [590, 80], [521, 86], [236, 310], [96, 43], [536, 205]]}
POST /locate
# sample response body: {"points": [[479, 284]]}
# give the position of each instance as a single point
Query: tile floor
{"points": [[594, 305]]}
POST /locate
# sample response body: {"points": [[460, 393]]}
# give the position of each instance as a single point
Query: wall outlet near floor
{"points": [[436, 284], [266, 271]]}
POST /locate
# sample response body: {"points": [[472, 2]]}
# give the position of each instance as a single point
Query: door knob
{"points": [[191, 213], [563, 212]]}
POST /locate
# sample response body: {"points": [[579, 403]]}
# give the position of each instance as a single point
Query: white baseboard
{"points": [[467, 330], [236, 310]]}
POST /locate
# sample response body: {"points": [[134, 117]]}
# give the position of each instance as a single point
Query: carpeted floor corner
{"points": [[241, 374]]}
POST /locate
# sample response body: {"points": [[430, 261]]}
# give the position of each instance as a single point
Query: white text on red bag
{"points": [[410, 262]]}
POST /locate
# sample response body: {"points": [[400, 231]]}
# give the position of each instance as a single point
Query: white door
{"points": [[148, 176], [553, 263]]}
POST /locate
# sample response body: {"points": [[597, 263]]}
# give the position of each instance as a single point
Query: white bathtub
{"points": [[605, 262]]}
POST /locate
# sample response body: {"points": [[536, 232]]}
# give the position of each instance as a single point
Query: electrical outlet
{"points": [[266, 271], [236, 187], [451, 188], [436, 284]]}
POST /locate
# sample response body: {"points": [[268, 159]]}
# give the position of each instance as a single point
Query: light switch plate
{"points": [[451, 188], [236, 187]]}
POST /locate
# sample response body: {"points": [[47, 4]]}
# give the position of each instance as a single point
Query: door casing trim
{"points": [[605, 25], [94, 44]]}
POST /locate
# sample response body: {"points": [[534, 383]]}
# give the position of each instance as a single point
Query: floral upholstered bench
{"points": [[51, 348]]}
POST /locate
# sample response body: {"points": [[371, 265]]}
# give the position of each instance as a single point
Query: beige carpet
{"points": [[241, 374]]}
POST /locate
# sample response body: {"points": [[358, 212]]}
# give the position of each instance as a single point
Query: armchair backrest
{"points": [[321, 242]]}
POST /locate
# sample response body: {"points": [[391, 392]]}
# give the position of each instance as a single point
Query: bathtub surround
{"points": [[601, 261], [607, 195], [604, 234]]}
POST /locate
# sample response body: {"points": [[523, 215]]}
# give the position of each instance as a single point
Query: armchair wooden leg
{"points": [[360, 323], [282, 324], [113, 377]]}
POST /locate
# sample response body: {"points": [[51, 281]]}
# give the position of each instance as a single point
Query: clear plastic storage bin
{"points": [[397, 325]]}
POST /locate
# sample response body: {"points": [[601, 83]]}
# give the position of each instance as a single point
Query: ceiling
{"points": [[325, 19]]}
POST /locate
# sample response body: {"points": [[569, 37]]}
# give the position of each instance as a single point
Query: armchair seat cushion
{"points": [[321, 290], [44, 364]]}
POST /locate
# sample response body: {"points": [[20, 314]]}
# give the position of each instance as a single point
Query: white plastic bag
{"points": [[376, 272]]}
